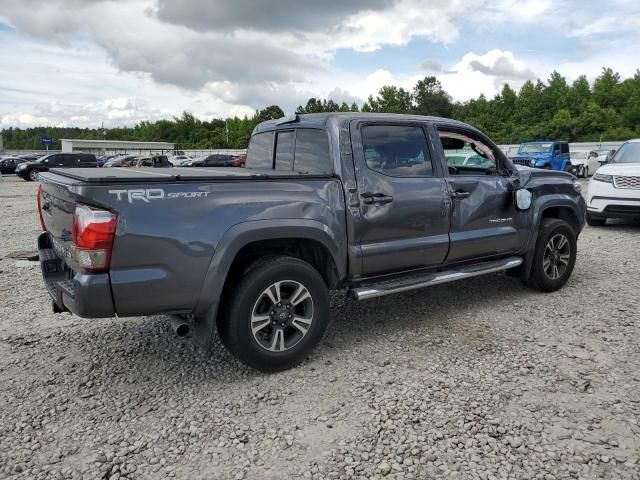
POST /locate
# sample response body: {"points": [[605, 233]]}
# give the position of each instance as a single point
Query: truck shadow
{"points": [[353, 325]]}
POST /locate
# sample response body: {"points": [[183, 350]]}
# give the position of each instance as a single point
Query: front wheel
{"points": [[276, 315], [554, 256]]}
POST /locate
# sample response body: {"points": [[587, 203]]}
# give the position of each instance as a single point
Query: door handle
{"points": [[371, 198], [459, 195]]}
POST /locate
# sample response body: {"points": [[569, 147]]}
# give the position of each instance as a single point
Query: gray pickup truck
{"points": [[371, 204]]}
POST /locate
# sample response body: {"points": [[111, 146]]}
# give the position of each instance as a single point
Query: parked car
{"points": [[603, 155], [102, 159], [176, 160], [30, 170], [468, 158], [360, 202], [9, 164], [213, 160], [549, 155], [614, 190], [139, 161], [584, 163], [119, 161], [29, 157], [240, 160]]}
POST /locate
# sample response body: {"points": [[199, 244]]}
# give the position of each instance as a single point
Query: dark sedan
{"points": [[9, 165]]}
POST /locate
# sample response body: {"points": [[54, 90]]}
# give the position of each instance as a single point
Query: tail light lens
{"points": [[39, 199], [93, 234]]}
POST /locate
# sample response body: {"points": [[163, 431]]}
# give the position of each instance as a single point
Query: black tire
{"points": [[543, 279], [585, 172], [595, 221], [243, 301]]}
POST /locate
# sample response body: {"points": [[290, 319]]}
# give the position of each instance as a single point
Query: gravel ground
{"points": [[478, 379]]}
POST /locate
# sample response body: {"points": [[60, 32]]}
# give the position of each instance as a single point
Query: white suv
{"points": [[614, 190]]}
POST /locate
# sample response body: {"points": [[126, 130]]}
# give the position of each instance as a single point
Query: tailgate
{"points": [[87, 295], [58, 205]]}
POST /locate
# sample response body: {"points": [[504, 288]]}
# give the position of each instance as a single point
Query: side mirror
{"points": [[593, 154], [523, 198]]}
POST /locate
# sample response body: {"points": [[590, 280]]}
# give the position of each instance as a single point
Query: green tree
{"points": [[429, 98], [271, 112]]}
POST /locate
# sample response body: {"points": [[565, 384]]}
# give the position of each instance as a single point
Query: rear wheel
{"points": [[585, 172], [595, 221], [276, 315], [554, 257]]}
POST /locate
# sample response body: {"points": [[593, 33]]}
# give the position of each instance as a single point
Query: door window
{"points": [[466, 155], [397, 150], [260, 152], [68, 160]]}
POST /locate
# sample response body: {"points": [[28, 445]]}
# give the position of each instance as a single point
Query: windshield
{"points": [[627, 153], [534, 147]]}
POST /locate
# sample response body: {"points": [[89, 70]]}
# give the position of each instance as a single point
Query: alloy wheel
{"points": [[282, 316], [33, 175], [556, 257]]}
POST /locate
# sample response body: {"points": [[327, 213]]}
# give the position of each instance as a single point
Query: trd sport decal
{"points": [[149, 194]]}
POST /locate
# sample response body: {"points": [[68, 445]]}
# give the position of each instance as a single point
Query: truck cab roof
{"points": [[322, 120]]}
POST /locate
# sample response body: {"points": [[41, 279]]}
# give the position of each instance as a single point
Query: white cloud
{"points": [[485, 74], [72, 59]]}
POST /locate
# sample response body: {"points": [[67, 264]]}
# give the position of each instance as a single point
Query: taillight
{"points": [[40, 217], [93, 234]]}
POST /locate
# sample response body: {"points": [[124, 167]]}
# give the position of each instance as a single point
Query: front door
{"points": [[484, 220], [403, 198]]}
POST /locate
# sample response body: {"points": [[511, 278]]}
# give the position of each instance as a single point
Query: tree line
{"points": [[607, 109]]}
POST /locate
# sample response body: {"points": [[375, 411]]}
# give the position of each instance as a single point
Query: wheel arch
{"points": [[246, 242], [558, 206]]}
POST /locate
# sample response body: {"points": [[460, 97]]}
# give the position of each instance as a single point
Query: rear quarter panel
{"points": [[166, 238]]}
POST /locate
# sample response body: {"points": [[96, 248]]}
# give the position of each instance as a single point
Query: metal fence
{"points": [[190, 153], [509, 150]]}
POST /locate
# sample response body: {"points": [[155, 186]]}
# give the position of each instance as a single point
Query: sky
{"points": [[118, 62]]}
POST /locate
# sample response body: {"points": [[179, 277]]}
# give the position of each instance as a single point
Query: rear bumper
{"points": [[88, 295]]}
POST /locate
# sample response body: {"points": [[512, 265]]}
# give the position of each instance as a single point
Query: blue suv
{"points": [[548, 155]]}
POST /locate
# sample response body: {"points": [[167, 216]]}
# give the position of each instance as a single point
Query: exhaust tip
{"points": [[180, 326], [183, 330]]}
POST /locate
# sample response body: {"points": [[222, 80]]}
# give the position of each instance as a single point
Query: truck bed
{"points": [[181, 174]]}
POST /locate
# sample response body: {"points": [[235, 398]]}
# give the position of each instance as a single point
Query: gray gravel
{"points": [[480, 379]]}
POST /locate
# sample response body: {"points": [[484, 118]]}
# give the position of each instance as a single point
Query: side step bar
{"points": [[387, 287]]}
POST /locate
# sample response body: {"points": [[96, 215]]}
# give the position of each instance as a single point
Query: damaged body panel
{"points": [[374, 203]]}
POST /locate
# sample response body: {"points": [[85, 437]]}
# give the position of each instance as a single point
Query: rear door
{"points": [[56, 161], [403, 197], [87, 160], [484, 220], [68, 160]]}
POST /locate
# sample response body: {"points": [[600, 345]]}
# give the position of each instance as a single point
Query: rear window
{"points": [[284, 150], [260, 152], [312, 151]]}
